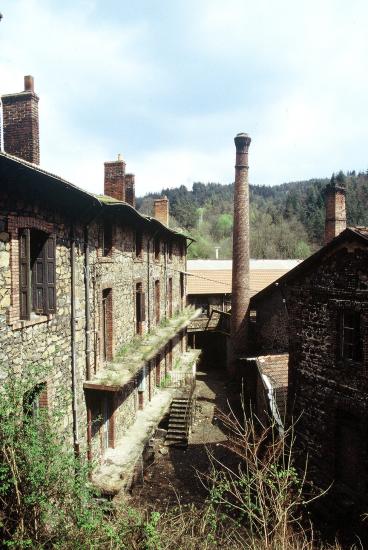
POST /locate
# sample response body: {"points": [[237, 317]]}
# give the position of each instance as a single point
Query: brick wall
{"points": [[161, 210], [21, 125], [114, 179]]}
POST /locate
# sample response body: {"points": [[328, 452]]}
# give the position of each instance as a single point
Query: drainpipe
{"points": [[73, 346], [87, 298]]}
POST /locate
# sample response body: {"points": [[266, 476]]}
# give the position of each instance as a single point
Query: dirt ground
{"points": [[179, 474]]}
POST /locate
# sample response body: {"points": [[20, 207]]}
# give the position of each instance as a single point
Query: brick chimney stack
{"points": [[20, 123], [240, 273], [335, 221], [161, 210], [114, 181], [130, 189]]}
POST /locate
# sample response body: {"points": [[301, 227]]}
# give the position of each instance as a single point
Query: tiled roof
{"points": [[275, 368], [218, 281]]}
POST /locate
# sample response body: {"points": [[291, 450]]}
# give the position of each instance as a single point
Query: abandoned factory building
{"points": [[91, 292], [324, 305]]}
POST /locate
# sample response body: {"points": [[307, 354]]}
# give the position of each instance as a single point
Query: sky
{"points": [[169, 83]]}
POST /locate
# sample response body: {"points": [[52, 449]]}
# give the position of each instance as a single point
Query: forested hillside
{"points": [[287, 221]]}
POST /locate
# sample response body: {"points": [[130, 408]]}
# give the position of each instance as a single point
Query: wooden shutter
{"points": [[24, 273], [50, 274], [38, 273]]}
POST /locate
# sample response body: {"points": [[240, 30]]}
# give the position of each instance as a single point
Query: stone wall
{"points": [[45, 340], [268, 327], [328, 395]]}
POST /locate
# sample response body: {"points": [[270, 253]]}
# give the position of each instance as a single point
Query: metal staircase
{"points": [[180, 421]]}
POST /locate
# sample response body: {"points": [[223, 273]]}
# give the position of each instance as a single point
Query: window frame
{"points": [[37, 274], [349, 344]]}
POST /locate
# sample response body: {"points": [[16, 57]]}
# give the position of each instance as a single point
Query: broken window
{"points": [[36, 273], [350, 343]]}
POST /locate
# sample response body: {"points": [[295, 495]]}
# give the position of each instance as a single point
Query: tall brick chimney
{"points": [[240, 273], [20, 123], [161, 210], [114, 181], [130, 189], [335, 221]]}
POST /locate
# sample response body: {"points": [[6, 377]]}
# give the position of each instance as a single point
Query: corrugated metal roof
{"points": [[211, 281]]}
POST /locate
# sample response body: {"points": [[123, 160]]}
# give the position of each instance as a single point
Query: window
{"points": [[350, 343], [107, 238], [157, 248], [140, 308], [138, 244], [36, 273], [157, 301], [34, 400], [182, 290], [170, 296], [170, 250]]}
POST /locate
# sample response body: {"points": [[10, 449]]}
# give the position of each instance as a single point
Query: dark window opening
{"points": [[182, 290], [34, 400], [138, 244], [350, 343], [349, 452], [107, 238], [157, 301], [36, 273], [107, 324], [157, 248], [182, 249], [170, 296], [170, 250], [140, 308]]}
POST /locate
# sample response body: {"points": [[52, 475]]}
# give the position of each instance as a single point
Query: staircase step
{"points": [[177, 424], [176, 431]]}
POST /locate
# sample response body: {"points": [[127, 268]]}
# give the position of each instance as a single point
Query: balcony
{"points": [[131, 358]]}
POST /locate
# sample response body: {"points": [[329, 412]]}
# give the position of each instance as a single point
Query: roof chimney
{"points": [[335, 221], [130, 189], [161, 210], [20, 123], [240, 273], [114, 185]]}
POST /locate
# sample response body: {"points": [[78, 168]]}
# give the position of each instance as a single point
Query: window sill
{"points": [[105, 260], [24, 323]]}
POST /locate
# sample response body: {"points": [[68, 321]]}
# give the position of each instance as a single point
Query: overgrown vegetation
{"points": [[287, 221], [46, 499]]}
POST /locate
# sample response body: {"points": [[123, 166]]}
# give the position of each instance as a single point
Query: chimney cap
{"points": [[242, 141], [28, 83]]}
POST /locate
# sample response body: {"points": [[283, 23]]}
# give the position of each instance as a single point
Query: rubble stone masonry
{"points": [[328, 393]]}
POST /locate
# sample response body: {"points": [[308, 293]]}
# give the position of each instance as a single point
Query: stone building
{"points": [[324, 305], [92, 293]]}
